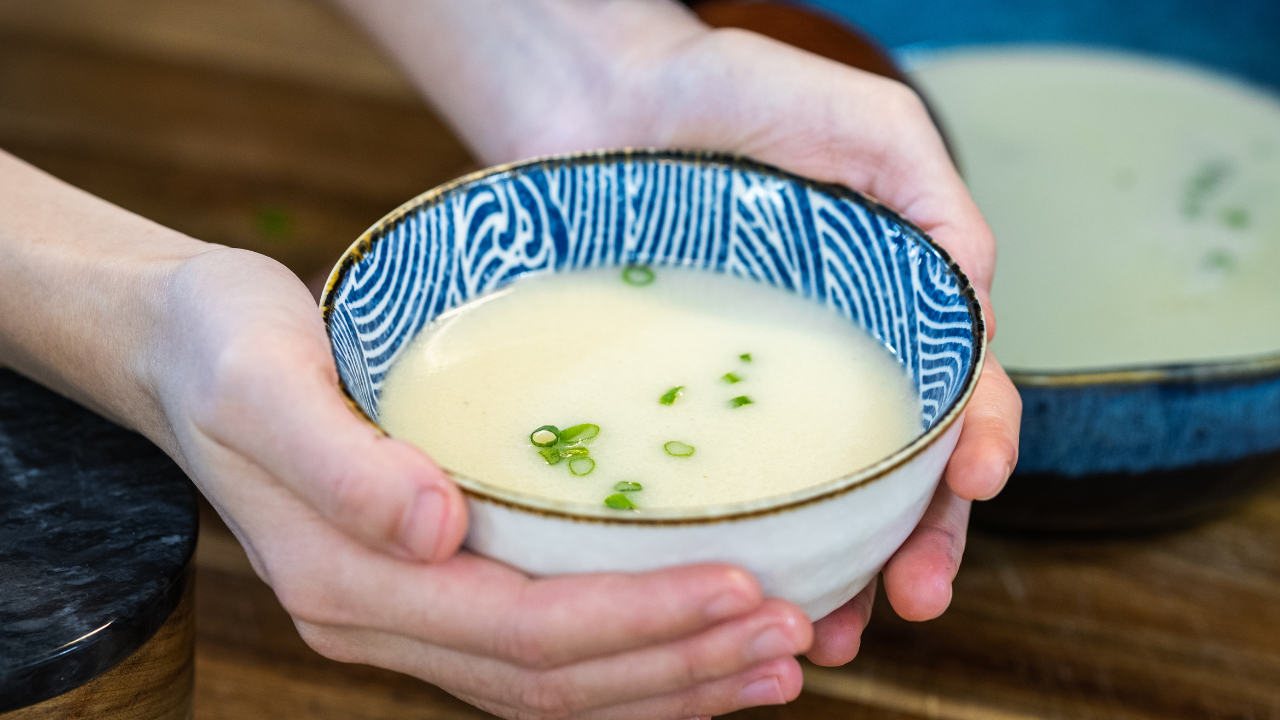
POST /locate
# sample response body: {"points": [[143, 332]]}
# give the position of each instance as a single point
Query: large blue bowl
{"points": [[1133, 447]]}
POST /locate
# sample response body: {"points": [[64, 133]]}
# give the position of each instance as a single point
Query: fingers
{"points": [[777, 630], [383, 492], [775, 683], [566, 618], [476, 606], [471, 604], [837, 637], [680, 635], [918, 577], [988, 447], [270, 393]]}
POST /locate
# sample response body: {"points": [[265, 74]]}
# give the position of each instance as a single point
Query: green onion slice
{"points": [[582, 466], [638, 275], [745, 357], [579, 433], [731, 378], [619, 502], [671, 395], [627, 486], [551, 455], [675, 448], [740, 401], [545, 436], [574, 452]]}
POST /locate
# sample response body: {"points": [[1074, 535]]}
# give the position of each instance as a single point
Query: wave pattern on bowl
{"points": [[821, 241]]}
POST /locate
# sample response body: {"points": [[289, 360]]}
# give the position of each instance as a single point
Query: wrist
{"points": [[536, 77], [624, 76], [82, 278]]}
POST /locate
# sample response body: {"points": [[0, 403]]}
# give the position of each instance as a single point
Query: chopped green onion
{"points": [[545, 436], [575, 452], [582, 466], [731, 378], [627, 486], [619, 502], [745, 357], [675, 448], [1235, 218], [579, 433], [551, 455], [671, 395], [740, 401], [637, 275], [1203, 184]]}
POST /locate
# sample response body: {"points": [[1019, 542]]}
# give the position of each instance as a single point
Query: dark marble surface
{"points": [[97, 528]]}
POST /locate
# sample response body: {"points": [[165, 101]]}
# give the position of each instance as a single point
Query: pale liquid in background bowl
{"points": [[1136, 203], [585, 347]]}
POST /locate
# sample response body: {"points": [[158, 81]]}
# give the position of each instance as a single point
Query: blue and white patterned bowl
{"points": [[818, 546]]}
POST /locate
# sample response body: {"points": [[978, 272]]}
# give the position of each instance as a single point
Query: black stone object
{"points": [[97, 529]]}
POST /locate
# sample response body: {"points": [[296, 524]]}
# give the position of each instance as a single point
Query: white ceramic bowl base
{"points": [[817, 555]]}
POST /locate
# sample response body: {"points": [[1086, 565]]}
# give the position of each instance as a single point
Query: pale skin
{"points": [[219, 357]]}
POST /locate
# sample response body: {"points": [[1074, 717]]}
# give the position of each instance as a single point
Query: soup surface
{"points": [[777, 393], [1136, 203]]}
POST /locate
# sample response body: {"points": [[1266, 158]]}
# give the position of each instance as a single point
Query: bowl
{"points": [[816, 547], [1108, 450]]}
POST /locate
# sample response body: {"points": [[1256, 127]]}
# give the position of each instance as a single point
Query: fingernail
{"points": [[422, 529], [728, 604], [770, 644], [1004, 480], [767, 691]]}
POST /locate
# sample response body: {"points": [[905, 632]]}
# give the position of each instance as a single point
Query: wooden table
{"points": [[1185, 625], [273, 125]]}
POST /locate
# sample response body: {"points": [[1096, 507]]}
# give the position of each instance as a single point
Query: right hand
{"points": [[358, 535]]}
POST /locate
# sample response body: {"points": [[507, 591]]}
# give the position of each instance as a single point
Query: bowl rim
{"points": [[1255, 367], [704, 514]]}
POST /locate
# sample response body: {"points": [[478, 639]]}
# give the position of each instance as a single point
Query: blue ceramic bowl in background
{"points": [[1127, 448]]}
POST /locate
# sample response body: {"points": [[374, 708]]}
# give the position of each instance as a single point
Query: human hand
{"points": [[357, 533], [540, 77], [739, 92]]}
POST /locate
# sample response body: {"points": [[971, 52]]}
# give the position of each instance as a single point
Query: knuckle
{"points": [[300, 597], [358, 502], [904, 99], [328, 643], [946, 538], [524, 641], [353, 493], [526, 649], [694, 664], [551, 697]]}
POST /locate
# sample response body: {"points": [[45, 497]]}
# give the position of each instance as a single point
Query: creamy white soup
{"points": [[644, 389], [1136, 203]]}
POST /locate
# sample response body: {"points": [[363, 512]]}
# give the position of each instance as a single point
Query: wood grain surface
{"points": [[275, 126], [251, 144]]}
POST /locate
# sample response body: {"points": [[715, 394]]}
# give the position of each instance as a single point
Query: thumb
{"points": [[295, 424]]}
